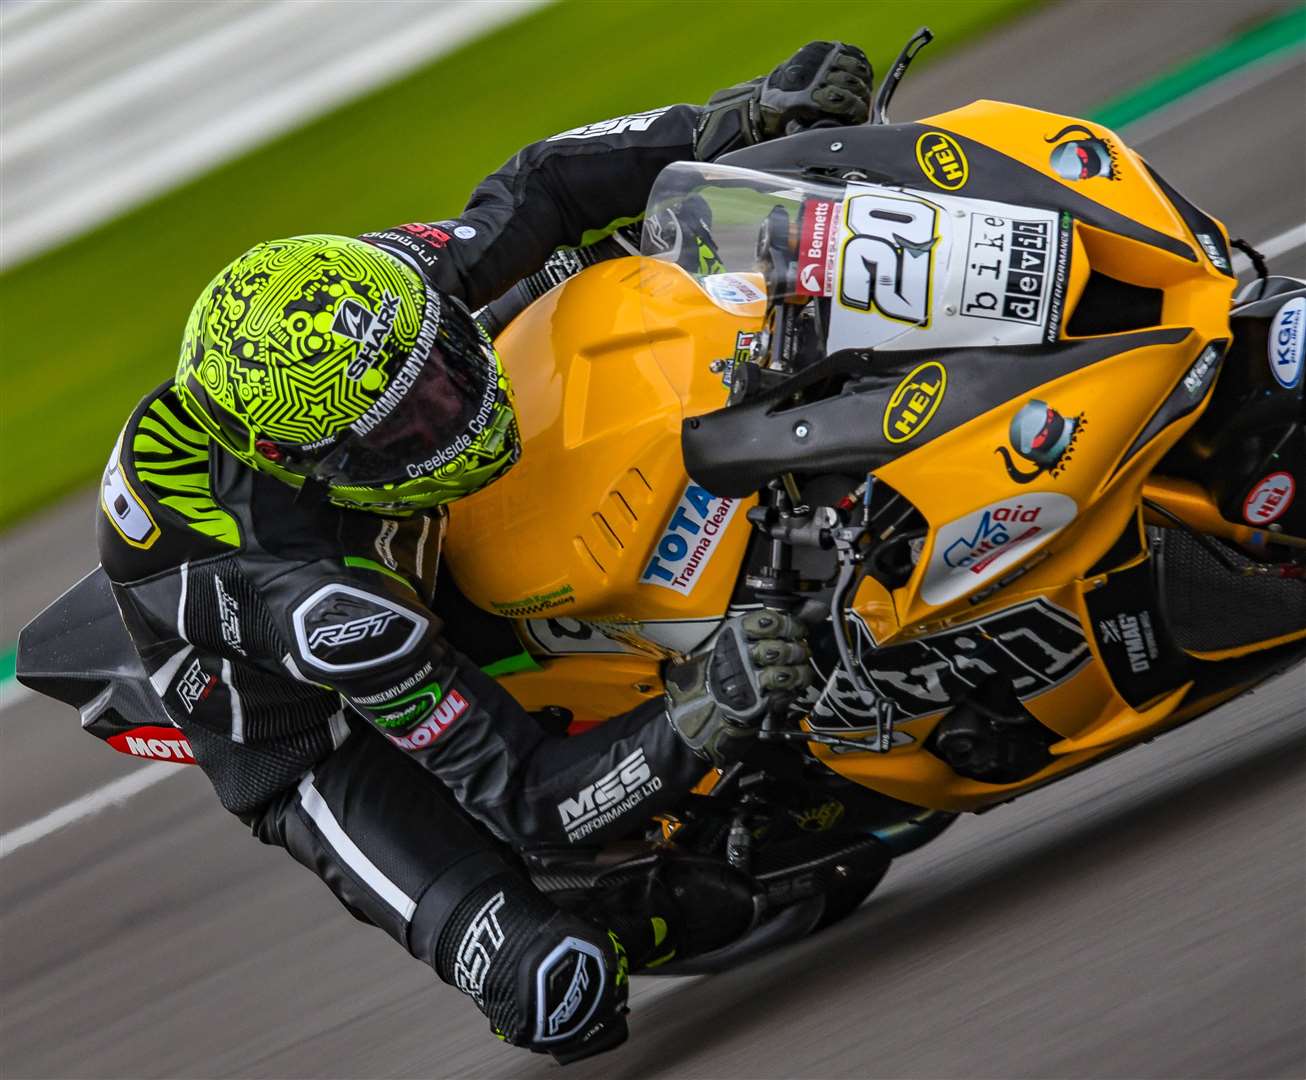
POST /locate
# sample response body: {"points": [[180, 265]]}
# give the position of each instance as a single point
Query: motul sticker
{"points": [[1269, 500], [816, 248], [450, 708], [689, 540], [971, 550], [159, 743]]}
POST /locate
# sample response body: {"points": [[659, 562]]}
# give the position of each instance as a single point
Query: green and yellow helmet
{"points": [[324, 359]]}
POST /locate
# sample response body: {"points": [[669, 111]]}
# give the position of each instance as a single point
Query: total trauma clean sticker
{"points": [[689, 540]]}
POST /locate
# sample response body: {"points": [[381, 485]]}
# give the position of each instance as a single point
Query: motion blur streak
{"points": [[112, 89]]}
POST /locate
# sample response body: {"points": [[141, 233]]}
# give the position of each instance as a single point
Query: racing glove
{"points": [[823, 82], [717, 702]]}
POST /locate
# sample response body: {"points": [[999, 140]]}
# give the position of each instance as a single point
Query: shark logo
{"points": [[1042, 436], [370, 331], [1083, 158]]}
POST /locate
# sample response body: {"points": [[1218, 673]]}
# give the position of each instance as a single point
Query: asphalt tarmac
{"points": [[1143, 919]]}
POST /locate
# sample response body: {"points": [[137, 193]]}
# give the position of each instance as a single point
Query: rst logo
{"points": [[343, 628], [610, 796], [689, 540], [353, 630], [970, 550]]}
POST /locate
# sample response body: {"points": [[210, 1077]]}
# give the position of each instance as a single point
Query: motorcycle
{"points": [[976, 397]]}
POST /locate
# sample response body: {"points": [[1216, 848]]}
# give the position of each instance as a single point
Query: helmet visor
{"points": [[434, 408]]}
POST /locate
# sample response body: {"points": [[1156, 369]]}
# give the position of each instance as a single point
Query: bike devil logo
{"points": [[1082, 158], [1043, 436]]}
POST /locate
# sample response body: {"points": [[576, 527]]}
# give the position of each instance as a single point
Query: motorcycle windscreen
{"points": [[890, 268], [746, 238]]}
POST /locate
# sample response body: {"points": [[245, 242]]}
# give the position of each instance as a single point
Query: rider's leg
{"points": [[395, 850]]}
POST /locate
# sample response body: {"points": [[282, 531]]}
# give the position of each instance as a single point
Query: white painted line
{"points": [[112, 794], [1185, 109], [113, 142]]}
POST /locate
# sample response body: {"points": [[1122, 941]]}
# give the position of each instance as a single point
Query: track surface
{"points": [[1142, 919]]}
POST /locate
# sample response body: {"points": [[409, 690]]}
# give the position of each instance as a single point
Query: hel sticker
{"points": [[689, 540], [914, 401], [129, 516], [732, 289], [942, 160], [1286, 343], [816, 248], [975, 548], [340, 628], [1269, 500], [1009, 267]]}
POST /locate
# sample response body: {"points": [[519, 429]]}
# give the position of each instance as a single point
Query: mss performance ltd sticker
{"points": [[971, 550], [611, 795], [689, 540]]}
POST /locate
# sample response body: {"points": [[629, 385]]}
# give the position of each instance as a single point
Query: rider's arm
{"points": [[573, 187], [368, 636], [549, 195]]}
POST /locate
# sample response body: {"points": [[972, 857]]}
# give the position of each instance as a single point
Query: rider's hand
{"points": [[822, 81], [716, 702]]}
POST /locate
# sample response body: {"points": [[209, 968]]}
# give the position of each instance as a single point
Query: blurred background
{"points": [[1139, 922]]}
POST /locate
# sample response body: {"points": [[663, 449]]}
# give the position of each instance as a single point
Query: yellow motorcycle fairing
{"points": [[568, 535], [608, 365]]}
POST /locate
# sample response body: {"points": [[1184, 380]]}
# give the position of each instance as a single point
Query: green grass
{"points": [[86, 329]]}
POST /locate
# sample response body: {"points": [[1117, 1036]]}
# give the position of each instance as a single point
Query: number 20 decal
{"points": [[888, 261]]}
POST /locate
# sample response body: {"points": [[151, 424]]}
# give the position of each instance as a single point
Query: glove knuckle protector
{"points": [[794, 94]]}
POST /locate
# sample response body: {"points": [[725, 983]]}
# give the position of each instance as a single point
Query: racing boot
{"points": [[546, 979], [672, 908]]}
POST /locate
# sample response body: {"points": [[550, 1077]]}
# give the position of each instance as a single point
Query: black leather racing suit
{"points": [[299, 649]]}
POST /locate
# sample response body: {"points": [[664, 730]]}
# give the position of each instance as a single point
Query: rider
{"points": [[272, 522]]}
